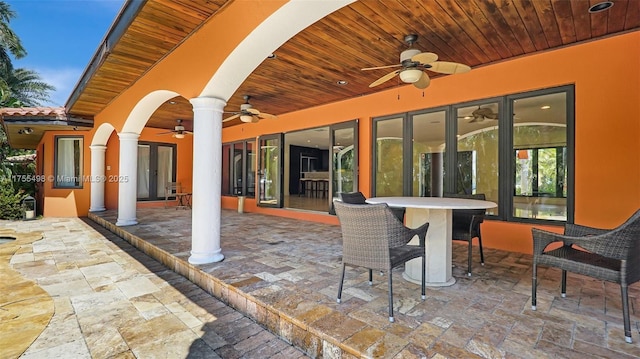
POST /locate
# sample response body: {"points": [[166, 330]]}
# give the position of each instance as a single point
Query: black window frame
{"points": [[506, 153], [244, 189], [153, 162]]}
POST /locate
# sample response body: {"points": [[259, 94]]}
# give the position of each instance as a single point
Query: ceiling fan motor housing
{"points": [[408, 54]]}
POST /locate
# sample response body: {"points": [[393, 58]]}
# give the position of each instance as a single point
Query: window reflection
{"points": [[477, 163], [389, 157], [540, 157], [428, 154]]}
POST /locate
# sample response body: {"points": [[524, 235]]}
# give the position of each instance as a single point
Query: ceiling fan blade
{"points": [[445, 67], [188, 132], [380, 67], [231, 118], [253, 111], [164, 133], [423, 82], [384, 78], [267, 115], [425, 57]]}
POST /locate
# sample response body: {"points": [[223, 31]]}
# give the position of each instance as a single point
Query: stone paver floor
{"points": [[112, 301], [285, 273]]}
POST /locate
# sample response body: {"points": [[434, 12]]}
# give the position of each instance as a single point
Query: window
{"points": [[428, 153], [477, 143], [68, 162], [156, 168], [388, 164], [540, 156], [238, 169], [515, 149]]}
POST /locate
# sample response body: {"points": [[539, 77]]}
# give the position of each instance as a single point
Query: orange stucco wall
{"points": [[57, 202], [607, 112]]}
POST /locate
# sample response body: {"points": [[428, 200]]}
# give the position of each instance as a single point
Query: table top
{"points": [[433, 202]]}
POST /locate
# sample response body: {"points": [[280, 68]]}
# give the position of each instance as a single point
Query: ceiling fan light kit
{"points": [[410, 75]]}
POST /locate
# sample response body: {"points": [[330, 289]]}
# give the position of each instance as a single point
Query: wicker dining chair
{"points": [[611, 255], [359, 198], [373, 238], [466, 226]]}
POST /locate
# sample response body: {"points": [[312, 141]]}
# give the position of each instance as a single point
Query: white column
{"points": [[97, 178], [207, 180], [127, 179]]}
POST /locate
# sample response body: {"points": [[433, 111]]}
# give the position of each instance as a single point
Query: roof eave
{"points": [[126, 16]]}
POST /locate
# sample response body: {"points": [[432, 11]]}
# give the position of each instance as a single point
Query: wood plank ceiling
{"points": [[307, 68]]}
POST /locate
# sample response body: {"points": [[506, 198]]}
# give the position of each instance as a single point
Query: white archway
{"points": [[286, 22], [143, 110]]}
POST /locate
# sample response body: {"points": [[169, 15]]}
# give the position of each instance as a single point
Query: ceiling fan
{"points": [[178, 131], [480, 114], [413, 62], [248, 114]]}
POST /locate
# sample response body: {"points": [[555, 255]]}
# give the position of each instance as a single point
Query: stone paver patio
{"points": [[284, 274]]}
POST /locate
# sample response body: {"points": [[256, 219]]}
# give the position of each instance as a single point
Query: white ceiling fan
{"points": [[248, 113], [178, 131], [413, 63]]}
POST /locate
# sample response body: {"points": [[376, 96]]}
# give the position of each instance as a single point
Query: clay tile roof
{"points": [[58, 112]]}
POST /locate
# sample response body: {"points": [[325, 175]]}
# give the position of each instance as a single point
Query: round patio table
{"points": [[438, 212]]}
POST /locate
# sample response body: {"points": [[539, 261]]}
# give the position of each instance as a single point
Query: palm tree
{"points": [[24, 88], [10, 44]]}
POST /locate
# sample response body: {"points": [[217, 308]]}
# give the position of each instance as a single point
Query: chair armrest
{"points": [[612, 244], [576, 230], [420, 231], [541, 239]]}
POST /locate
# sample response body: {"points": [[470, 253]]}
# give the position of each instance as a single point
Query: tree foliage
{"points": [[19, 87]]}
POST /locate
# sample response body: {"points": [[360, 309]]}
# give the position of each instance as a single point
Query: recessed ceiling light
{"points": [[272, 56], [545, 107], [172, 102], [600, 7], [342, 82]]}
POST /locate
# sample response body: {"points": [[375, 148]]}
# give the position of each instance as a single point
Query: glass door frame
{"points": [[279, 197], [153, 165], [353, 125]]}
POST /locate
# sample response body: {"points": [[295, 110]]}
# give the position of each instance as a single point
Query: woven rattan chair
{"points": [[608, 254], [359, 198], [466, 226], [373, 238]]}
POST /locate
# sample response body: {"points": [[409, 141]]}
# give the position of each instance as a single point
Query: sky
{"points": [[61, 37]]}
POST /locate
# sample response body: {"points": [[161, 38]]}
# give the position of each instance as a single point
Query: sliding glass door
{"points": [[344, 175], [156, 168], [270, 171]]}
